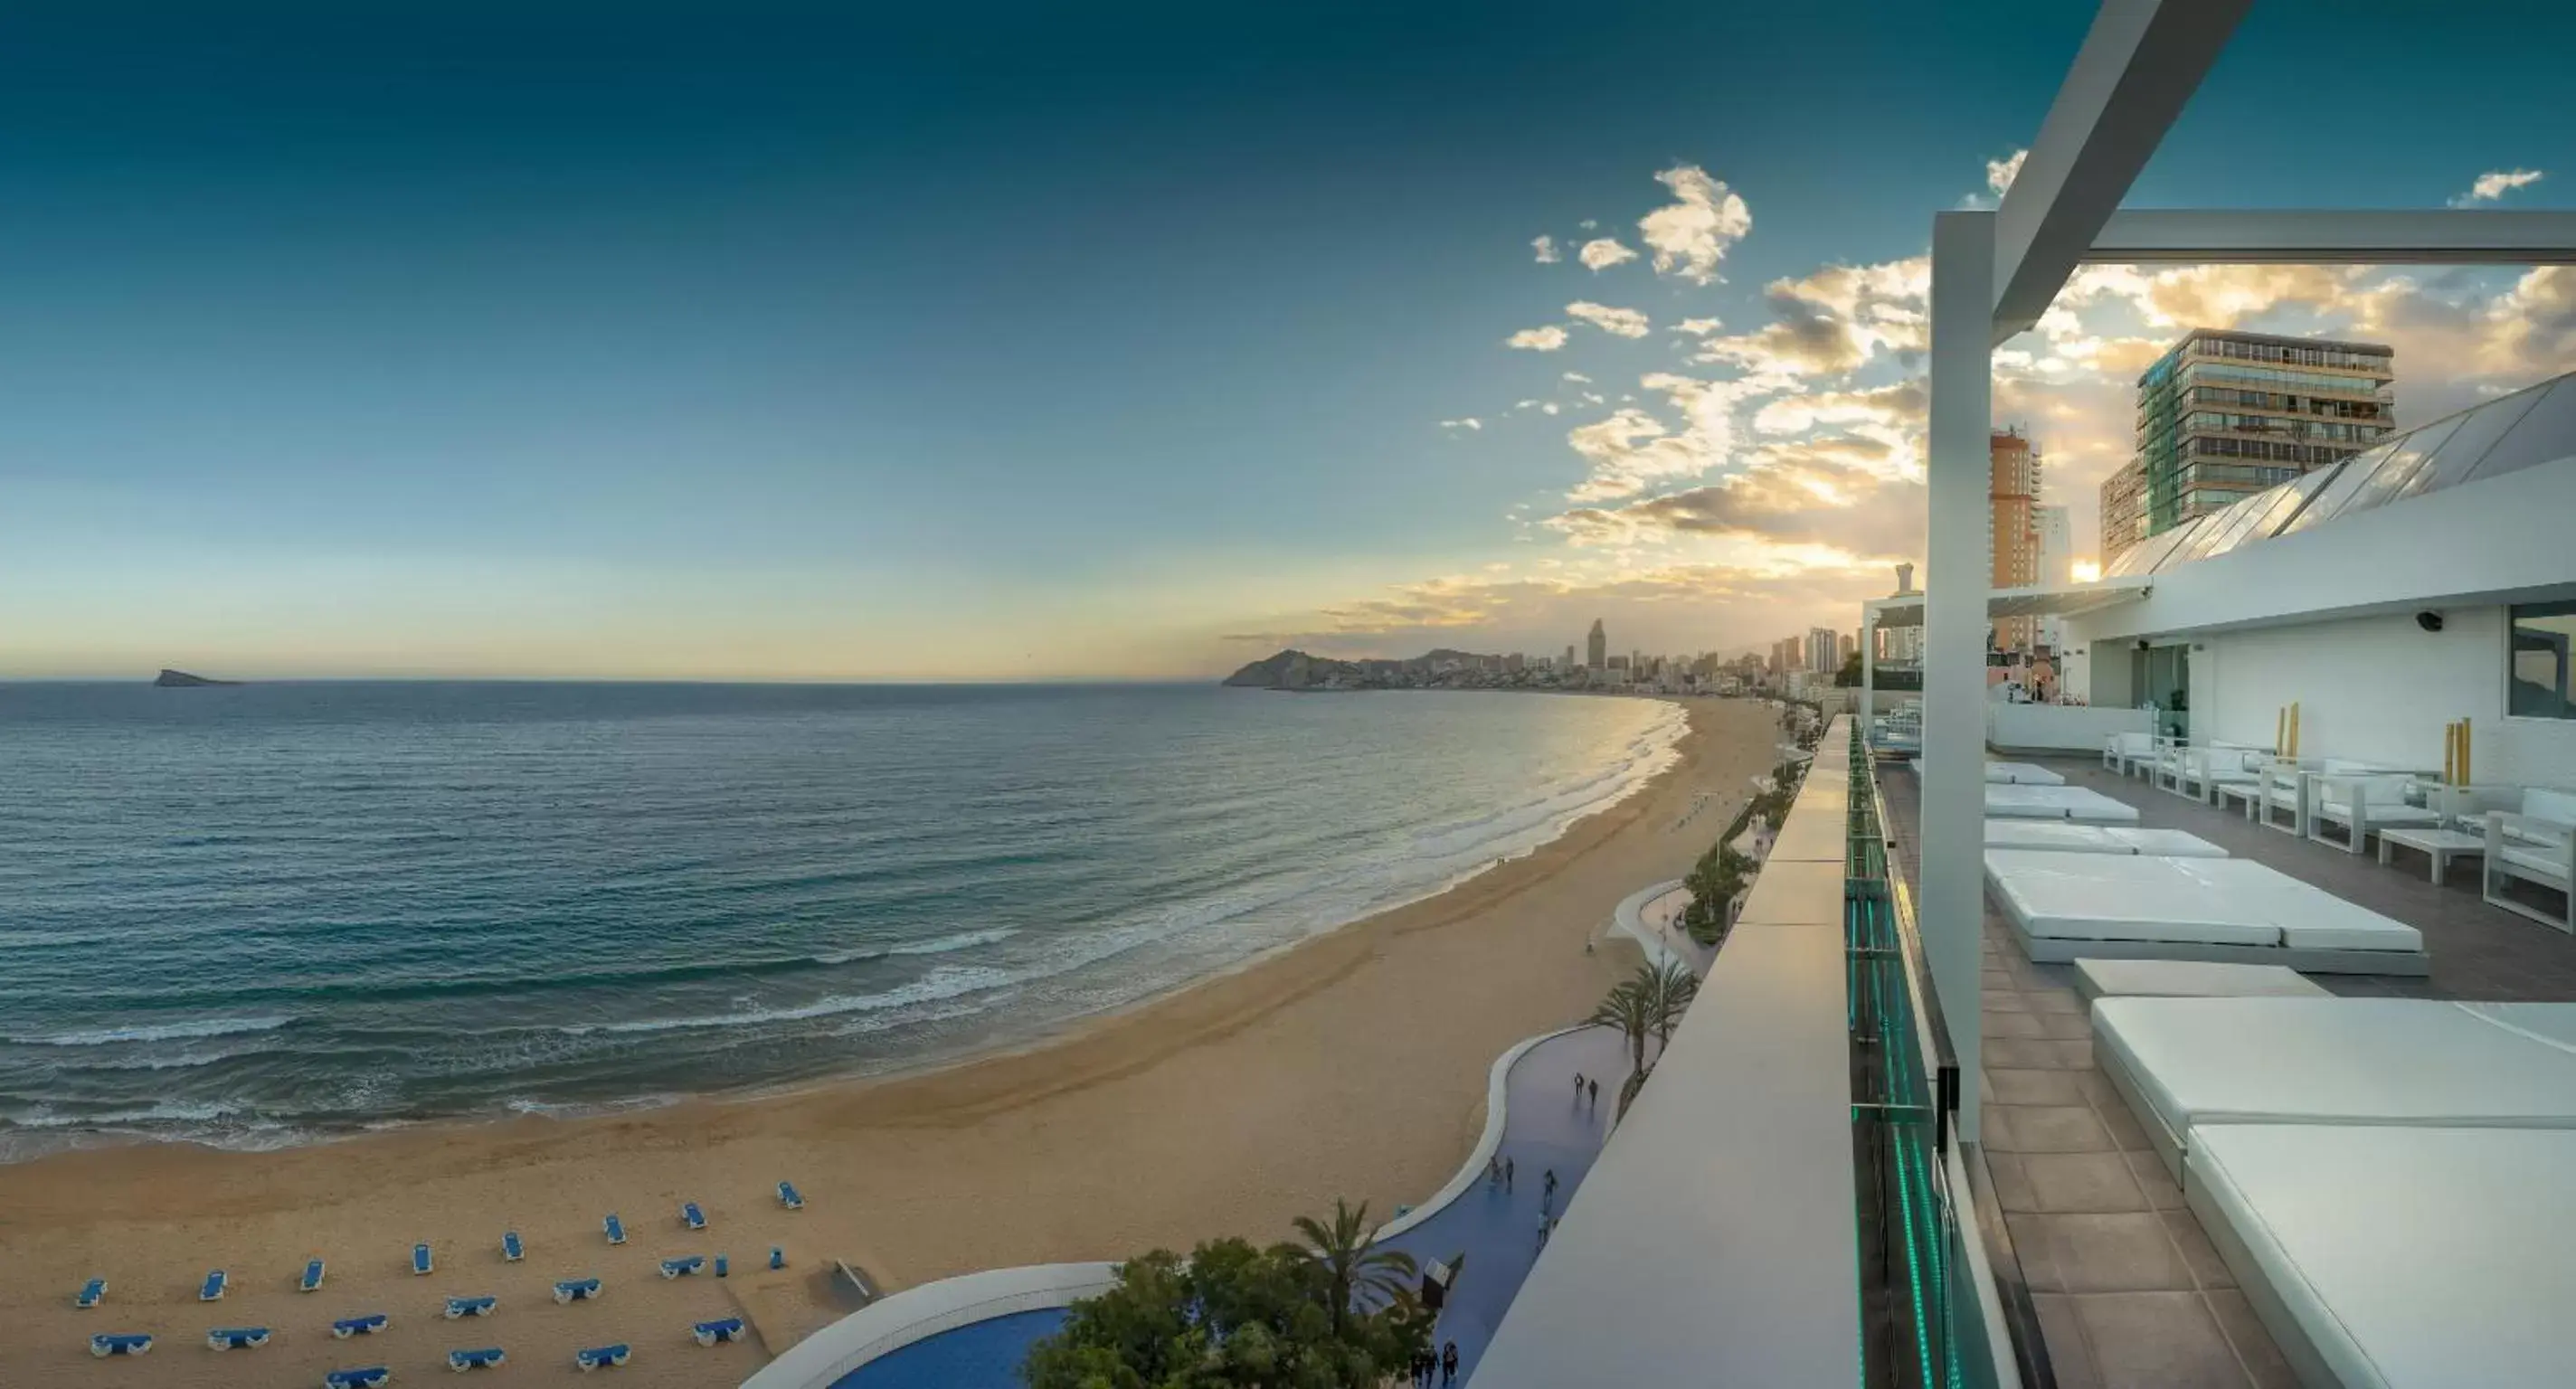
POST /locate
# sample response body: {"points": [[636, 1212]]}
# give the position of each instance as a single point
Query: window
{"points": [[2536, 672]]}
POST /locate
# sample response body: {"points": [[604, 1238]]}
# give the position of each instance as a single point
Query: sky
{"points": [[829, 341]]}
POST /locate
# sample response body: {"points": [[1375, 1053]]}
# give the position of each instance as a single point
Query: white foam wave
{"points": [[156, 1032], [943, 982], [938, 945]]}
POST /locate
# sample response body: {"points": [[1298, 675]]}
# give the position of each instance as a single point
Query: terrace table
{"points": [[2440, 845]]}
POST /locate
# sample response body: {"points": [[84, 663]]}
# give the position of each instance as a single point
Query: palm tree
{"points": [[1627, 1009], [1668, 990], [1354, 1266]]}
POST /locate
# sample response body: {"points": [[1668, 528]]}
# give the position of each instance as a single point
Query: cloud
{"points": [[1469, 423], [2495, 184], [1632, 451], [1578, 376], [1545, 246], [1601, 253], [1834, 320], [1691, 235], [1588, 224], [1547, 339], [1625, 323], [2000, 173], [1830, 493], [1698, 327]]}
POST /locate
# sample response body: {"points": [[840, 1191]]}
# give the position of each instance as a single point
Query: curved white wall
{"points": [[915, 1314]]}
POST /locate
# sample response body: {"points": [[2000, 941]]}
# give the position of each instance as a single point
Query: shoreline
{"points": [[1350, 1062], [1001, 1042]]}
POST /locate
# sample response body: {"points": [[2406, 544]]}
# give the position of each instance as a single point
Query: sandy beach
{"points": [[1352, 1065]]}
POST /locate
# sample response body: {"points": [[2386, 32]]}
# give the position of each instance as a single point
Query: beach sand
{"points": [[1352, 1065]]}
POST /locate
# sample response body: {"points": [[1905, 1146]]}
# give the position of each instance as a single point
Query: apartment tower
{"points": [[2012, 527], [2223, 415]]}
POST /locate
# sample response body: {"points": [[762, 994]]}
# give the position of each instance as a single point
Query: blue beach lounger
{"points": [[674, 1268], [90, 1293], [597, 1356], [615, 1227], [576, 1290], [110, 1343], [484, 1359], [789, 1197], [420, 1261], [367, 1325], [212, 1290], [707, 1333], [312, 1279], [237, 1337], [470, 1307], [511, 1249], [367, 1378], [691, 1216]]}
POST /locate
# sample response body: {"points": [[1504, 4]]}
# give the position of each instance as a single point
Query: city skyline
{"points": [[948, 348]]}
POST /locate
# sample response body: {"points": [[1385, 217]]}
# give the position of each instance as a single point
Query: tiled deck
{"points": [[2126, 1287]]}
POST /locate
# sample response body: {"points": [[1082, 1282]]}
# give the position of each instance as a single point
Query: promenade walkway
{"points": [[1493, 1228]]}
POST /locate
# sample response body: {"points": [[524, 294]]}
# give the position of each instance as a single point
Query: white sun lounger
{"points": [[2399, 1258], [2067, 836], [2187, 1064], [2189, 979], [2057, 803], [2065, 907], [2012, 774]]}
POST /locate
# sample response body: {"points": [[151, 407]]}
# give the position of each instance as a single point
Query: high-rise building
{"points": [[1902, 645], [2222, 415], [1596, 647], [1823, 651], [2012, 531], [1845, 645], [2056, 565]]}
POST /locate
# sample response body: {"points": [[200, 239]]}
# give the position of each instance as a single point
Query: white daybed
{"points": [[2057, 803], [2066, 836], [2188, 1064], [2012, 774], [2064, 907], [2399, 1258], [2096, 979]]}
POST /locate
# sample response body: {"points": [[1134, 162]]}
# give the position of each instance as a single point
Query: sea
{"points": [[270, 914]]}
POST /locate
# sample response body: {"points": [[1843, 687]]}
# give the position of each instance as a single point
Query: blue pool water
{"points": [[259, 914]]}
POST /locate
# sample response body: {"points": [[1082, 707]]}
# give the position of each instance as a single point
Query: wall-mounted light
{"points": [[2429, 620]]}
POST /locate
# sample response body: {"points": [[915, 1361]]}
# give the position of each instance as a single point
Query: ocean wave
{"points": [[937, 945], [155, 1032], [943, 982]]}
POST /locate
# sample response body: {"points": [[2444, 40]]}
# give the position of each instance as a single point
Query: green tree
{"points": [[1340, 1315], [1628, 1010], [1344, 1248], [1667, 990]]}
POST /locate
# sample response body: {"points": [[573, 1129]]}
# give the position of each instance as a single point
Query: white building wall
{"points": [[2378, 689]]}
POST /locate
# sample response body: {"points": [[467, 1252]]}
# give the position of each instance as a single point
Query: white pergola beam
{"points": [[2441, 236], [2140, 62]]}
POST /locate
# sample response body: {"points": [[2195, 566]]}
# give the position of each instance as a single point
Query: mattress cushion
{"points": [[2394, 1061], [2408, 1257], [2168, 843], [2062, 836], [2114, 897], [2191, 979], [2309, 917]]}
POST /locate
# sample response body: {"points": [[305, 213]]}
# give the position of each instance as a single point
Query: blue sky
{"points": [[1037, 341]]}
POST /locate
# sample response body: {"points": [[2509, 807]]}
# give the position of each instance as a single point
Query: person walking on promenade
{"points": [[1551, 1181], [1507, 1174], [1494, 1170], [1448, 1365], [1542, 1233], [1596, 1094], [1578, 1085]]}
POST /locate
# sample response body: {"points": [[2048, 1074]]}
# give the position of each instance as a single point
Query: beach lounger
{"points": [[420, 1260], [470, 1307], [366, 1378], [511, 1249], [789, 1197], [312, 1279], [212, 1290], [484, 1359], [90, 1293], [596, 1356], [707, 1333], [113, 1343], [615, 1227], [237, 1337], [367, 1325], [675, 1268], [576, 1290], [691, 1216]]}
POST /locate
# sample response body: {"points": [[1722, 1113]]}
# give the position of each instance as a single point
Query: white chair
{"points": [[2279, 788], [2536, 844], [2207, 771], [2362, 806], [2123, 751]]}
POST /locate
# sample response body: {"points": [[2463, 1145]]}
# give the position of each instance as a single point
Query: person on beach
{"points": [[1449, 1364]]}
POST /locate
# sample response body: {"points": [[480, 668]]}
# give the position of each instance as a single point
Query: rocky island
{"points": [[180, 679]]}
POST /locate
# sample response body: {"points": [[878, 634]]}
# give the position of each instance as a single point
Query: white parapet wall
{"points": [[917, 1314], [1497, 1097], [2059, 727], [1629, 920]]}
